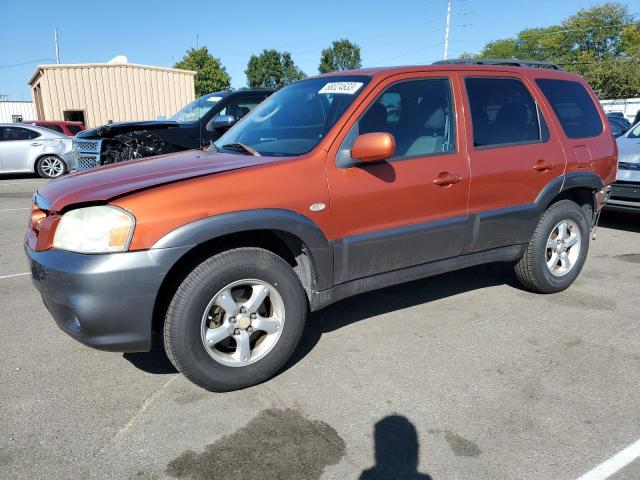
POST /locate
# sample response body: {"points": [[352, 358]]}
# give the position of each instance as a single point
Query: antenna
{"points": [[446, 30], [55, 40]]}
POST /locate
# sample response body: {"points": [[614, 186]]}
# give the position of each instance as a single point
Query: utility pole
{"points": [[446, 30], [55, 40]]}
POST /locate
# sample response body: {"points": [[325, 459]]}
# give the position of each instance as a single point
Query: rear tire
{"points": [[557, 250], [51, 166], [225, 327]]}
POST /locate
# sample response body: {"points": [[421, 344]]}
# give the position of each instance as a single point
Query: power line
{"points": [[27, 63]]}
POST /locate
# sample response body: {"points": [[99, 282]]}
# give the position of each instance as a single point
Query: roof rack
{"points": [[503, 62]]}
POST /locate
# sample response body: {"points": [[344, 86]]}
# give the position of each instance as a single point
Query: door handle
{"points": [[35, 144], [445, 179], [542, 166]]}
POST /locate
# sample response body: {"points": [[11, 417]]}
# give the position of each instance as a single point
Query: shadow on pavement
{"points": [[396, 451], [18, 176], [154, 361], [406, 295], [620, 221]]}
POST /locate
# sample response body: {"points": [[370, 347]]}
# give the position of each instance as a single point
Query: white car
{"points": [[625, 192], [26, 148]]}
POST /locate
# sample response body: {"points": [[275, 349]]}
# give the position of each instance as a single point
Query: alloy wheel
{"points": [[563, 248], [243, 322]]}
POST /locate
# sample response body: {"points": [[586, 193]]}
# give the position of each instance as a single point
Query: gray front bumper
{"points": [[105, 301]]}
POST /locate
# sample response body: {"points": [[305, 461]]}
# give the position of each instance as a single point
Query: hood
{"points": [[113, 129], [104, 183]]}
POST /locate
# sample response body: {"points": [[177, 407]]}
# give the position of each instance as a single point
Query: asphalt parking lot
{"points": [[461, 376]]}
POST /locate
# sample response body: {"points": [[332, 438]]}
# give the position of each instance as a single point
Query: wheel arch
{"points": [[295, 238], [579, 187]]}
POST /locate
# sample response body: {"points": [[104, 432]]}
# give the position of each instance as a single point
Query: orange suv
{"points": [[333, 186]]}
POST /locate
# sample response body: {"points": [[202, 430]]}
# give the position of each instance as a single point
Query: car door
{"points": [[514, 154], [19, 147], [403, 211]]}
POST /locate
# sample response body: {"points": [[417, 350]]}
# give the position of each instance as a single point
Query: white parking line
{"points": [[21, 183], [15, 275], [14, 209], [614, 464]]}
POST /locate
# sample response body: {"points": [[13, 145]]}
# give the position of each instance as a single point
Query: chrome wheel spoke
{"points": [[216, 335], [553, 261], [227, 303], [258, 295], [565, 261], [572, 240], [552, 244], [268, 325], [562, 231], [243, 348]]}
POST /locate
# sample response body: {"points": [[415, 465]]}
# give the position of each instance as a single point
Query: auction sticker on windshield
{"points": [[348, 88]]}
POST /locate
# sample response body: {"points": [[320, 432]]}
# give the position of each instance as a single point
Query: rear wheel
{"points": [[557, 250], [51, 166], [235, 320]]}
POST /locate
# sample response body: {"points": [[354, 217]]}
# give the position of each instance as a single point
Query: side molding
{"points": [[205, 229]]}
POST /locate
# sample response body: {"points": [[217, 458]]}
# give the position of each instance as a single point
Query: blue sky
{"points": [[159, 32]]}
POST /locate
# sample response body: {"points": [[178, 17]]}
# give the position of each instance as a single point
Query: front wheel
{"points": [[557, 250], [50, 166], [235, 320]]}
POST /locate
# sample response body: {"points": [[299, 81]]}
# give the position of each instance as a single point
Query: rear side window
{"points": [[503, 113], [8, 134], [74, 129], [573, 106], [55, 128]]}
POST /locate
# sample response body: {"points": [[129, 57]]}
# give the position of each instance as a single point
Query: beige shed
{"points": [[96, 93]]}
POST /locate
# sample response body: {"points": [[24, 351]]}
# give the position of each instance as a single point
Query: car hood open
{"points": [[105, 183], [113, 129]]}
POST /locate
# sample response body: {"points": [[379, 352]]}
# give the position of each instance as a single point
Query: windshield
{"points": [[197, 109], [635, 132], [294, 120]]}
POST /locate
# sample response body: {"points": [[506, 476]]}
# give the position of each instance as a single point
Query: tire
{"points": [[536, 270], [195, 313], [51, 166]]}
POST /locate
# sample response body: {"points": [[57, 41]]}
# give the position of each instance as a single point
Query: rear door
{"points": [[394, 214], [514, 153]]}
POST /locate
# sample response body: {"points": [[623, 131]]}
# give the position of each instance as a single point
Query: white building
{"points": [[628, 106], [14, 111]]}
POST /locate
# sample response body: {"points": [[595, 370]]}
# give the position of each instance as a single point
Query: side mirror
{"points": [[373, 147], [221, 122]]}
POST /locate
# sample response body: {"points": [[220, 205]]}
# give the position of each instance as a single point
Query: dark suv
{"points": [[335, 185], [198, 123]]}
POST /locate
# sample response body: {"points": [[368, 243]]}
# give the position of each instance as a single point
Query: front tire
{"points": [[235, 320], [557, 250], [50, 166]]}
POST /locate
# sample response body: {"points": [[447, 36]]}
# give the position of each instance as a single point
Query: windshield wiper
{"points": [[241, 147]]}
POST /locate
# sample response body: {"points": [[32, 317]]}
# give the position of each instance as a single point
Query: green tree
{"points": [[601, 43], [211, 76], [342, 55], [272, 69], [613, 78]]}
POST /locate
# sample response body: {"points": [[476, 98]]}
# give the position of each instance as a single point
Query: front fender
{"points": [[206, 229]]}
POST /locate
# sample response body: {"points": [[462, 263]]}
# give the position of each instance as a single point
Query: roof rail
{"points": [[503, 62]]}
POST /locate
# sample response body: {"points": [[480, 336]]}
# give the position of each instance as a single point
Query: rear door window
{"points": [[574, 107], [503, 112], [16, 133]]}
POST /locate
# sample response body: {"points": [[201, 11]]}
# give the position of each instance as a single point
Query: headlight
{"points": [[99, 229]]}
